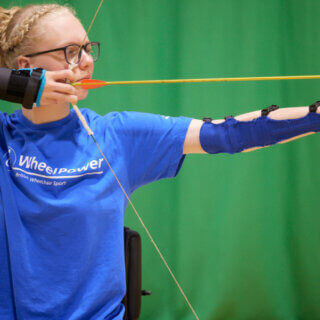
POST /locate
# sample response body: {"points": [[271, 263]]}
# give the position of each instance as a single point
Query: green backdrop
{"points": [[241, 232]]}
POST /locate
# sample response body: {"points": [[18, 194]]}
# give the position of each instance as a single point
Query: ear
{"points": [[23, 62]]}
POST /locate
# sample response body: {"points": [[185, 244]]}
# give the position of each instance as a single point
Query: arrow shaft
{"points": [[102, 83], [215, 80]]}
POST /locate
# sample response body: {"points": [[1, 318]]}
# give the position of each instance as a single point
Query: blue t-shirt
{"points": [[61, 210]]}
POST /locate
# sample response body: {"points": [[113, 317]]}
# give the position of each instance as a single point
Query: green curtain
{"points": [[241, 232]]}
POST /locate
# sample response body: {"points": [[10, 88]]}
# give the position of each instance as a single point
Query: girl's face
{"points": [[59, 31]]}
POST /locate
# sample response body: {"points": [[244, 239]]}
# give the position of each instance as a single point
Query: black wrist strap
{"points": [[4, 81], [266, 111], [314, 106], [32, 89], [19, 86], [16, 85]]}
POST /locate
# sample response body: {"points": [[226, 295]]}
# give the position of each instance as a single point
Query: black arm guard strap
{"points": [[19, 86]]}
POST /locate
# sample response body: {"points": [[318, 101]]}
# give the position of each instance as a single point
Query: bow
{"points": [[91, 134]]}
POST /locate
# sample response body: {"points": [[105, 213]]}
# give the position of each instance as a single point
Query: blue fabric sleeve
{"points": [[153, 146]]}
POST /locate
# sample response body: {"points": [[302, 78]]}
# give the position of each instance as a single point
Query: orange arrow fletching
{"points": [[90, 84]]}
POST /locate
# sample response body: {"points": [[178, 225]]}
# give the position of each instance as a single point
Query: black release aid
{"points": [[20, 86]]}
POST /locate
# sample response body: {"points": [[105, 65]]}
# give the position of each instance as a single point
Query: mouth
{"points": [[84, 78]]}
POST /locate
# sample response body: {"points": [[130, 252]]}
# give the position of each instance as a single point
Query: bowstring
{"points": [[90, 133]]}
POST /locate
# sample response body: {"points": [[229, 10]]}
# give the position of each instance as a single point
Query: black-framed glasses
{"points": [[73, 52]]}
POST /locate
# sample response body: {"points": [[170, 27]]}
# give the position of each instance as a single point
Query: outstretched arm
{"points": [[192, 142]]}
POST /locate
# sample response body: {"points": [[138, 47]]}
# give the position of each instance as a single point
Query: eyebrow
{"points": [[63, 44]]}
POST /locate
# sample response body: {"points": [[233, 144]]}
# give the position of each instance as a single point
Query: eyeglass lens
{"points": [[73, 54]]}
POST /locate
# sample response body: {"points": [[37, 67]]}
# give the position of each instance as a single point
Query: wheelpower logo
{"points": [[10, 158], [31, 166]]}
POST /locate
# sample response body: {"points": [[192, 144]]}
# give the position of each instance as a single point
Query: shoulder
{"points": [[134, 122], [112, 122], [93, 116], [3, 116], [131, 120], [7, 118], [124, 119]]}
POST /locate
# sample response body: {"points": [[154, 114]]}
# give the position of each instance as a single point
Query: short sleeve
{"points": [[153, 146]]}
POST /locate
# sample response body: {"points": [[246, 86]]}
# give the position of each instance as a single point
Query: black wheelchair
{"points": [[132, 299]]}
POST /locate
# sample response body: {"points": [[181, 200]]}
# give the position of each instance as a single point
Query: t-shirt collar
{"points": [[44, 126]]}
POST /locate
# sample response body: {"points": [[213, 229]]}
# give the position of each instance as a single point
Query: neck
{"points": [[45, 114]]}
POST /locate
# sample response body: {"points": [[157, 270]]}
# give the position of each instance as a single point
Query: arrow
{"points": [[93, 84]]}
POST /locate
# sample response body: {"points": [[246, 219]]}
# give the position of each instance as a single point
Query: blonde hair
{"points": [[19, 30]]}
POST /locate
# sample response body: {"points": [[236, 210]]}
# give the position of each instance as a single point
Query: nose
{"points": [[86, 60]]}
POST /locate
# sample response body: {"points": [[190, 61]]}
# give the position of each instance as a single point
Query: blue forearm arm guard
{"points": [[234, 136]]}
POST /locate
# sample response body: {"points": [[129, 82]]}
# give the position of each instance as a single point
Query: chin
{"points": [[82, 94]]}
